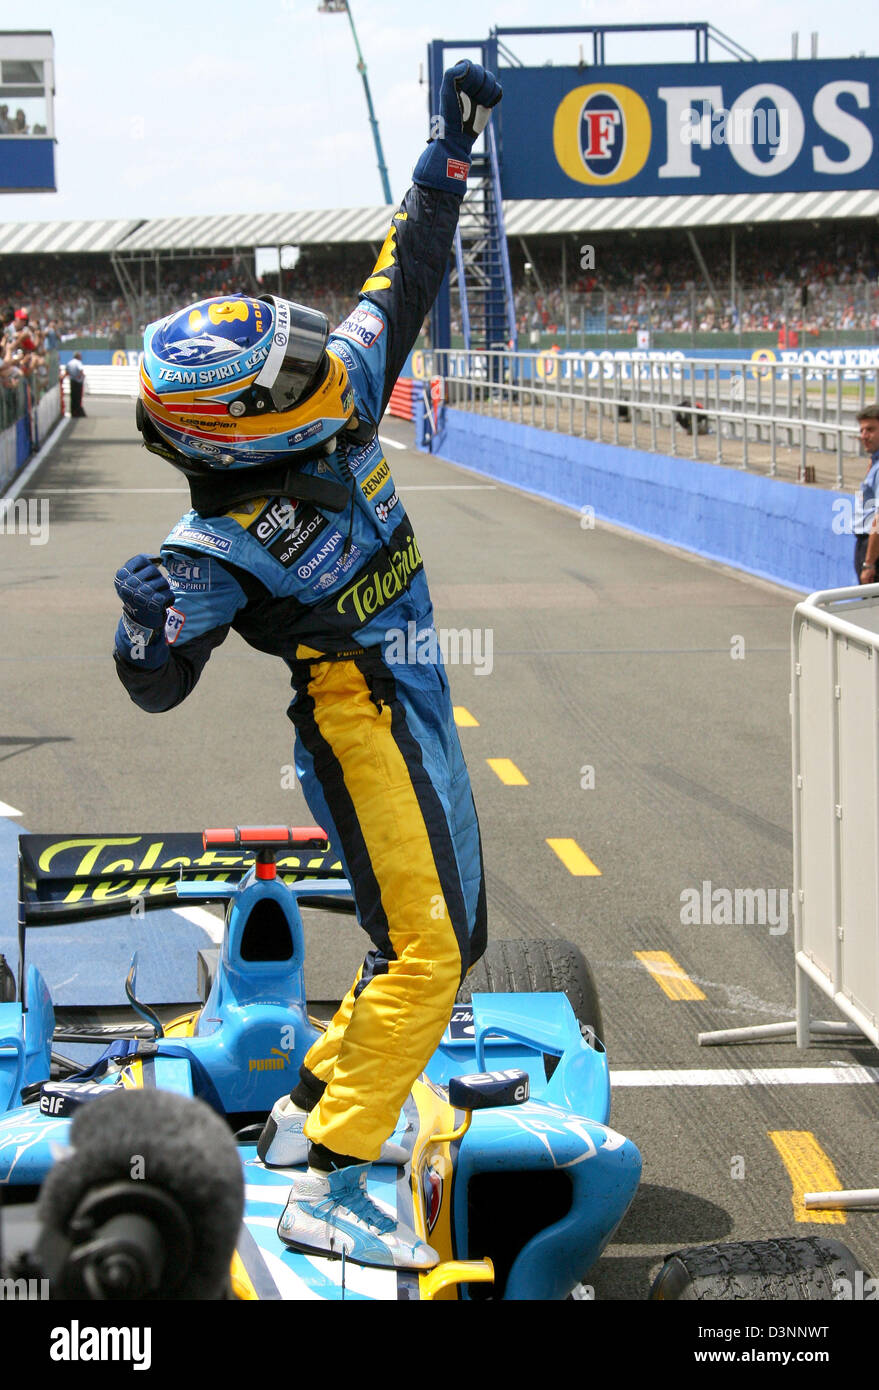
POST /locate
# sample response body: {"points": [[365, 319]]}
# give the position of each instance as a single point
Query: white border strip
{"points": [[746, 1076]]}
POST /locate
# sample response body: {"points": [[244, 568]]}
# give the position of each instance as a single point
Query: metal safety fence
{"points": [[784, 419]]}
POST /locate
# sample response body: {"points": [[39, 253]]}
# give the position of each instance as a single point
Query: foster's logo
{"points": [[602, 134]]}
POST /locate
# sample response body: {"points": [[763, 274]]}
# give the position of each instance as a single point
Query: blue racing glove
{"points": [[466, 97], [146, 595]]}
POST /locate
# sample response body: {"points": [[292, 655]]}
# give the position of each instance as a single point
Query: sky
{"points": [[184, 107]]}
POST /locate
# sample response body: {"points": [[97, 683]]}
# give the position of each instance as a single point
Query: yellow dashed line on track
{"points": [[810, 1170], [463, 718], [671, 979], [575, 860], [508, 772]]}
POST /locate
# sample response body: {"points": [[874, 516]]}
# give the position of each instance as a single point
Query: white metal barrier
{"points": [[835, 715], [808, 407], [107, 381], [48, 411], [835, 738]]}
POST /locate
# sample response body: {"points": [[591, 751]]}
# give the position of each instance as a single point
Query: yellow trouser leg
{"points": [[378, 1043]]}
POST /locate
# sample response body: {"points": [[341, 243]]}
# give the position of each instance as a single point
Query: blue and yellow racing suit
{"points": [[336, 595]]}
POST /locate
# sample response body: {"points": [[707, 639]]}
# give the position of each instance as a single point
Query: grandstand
{"points": [[709, 282]]}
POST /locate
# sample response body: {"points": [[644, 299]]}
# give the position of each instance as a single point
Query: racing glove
{"points": [[467, 95], [146, 595]]}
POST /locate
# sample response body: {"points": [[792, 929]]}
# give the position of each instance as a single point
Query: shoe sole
{"points": [[302, 1249], [393, 1154]]}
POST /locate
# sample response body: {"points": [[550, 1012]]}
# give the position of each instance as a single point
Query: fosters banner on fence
{"points": [[690, 128]]}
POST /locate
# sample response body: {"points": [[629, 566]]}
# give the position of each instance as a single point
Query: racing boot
{"points": [[333, 1214], [283, 1144]]}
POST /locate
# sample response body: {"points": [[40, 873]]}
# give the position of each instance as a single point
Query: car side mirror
{"points": [[485, 1089]]}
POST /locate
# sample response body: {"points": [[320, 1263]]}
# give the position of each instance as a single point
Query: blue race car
{"points": [[512, 1172]]}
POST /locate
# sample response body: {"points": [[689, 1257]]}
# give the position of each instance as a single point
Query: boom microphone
{"points": [[147, 1206]]}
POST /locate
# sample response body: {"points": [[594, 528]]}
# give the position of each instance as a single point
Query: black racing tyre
{"points": [[7, 982], [537, 967], [766, 1271]]}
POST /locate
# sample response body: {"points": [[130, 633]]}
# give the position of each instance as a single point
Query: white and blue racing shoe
{"points": [[333, 1214], [283, 1144]]}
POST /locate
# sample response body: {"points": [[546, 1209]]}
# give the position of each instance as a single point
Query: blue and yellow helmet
{"points": [[229, 383]]}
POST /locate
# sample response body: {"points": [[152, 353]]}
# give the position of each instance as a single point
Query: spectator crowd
{"points": [[23, 348], [826, 283], [17, 124], [813, 282]]}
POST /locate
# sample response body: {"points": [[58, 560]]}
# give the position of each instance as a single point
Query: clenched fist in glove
{"points": [[146, 595], [466, 97]]}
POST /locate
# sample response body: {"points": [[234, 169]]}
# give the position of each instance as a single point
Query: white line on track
{"points": [[394, 443], [746, 1076], [200, 917], [449, 487], [8, 810]]}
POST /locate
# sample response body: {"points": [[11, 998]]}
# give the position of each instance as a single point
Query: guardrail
{"points": [[835, 714], [780, 418], [29, 412], [107, 381]]}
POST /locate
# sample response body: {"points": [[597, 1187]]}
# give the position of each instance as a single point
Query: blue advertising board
{"points": [[690, 128], [27, 166]]}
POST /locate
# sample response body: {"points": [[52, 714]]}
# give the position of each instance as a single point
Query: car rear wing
{"points": [[64, 878], [69, 878]]}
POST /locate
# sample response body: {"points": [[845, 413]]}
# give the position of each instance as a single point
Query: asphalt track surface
{"points": [[641, 694]]}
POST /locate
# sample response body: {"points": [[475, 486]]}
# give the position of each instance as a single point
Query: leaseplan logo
{"points": [[601, 134]]}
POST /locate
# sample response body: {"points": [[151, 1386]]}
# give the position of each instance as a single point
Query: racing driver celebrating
{"points": [[297, 540]]}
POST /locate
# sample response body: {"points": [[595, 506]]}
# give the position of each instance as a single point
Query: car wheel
{"points": [[537, 967], [7, 982], [806, 1268]]}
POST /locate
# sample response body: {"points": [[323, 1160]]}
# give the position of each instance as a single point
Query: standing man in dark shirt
{"points": [[866, 526], [76, 377]]}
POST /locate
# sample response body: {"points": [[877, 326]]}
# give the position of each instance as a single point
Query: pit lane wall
{"points": [[28, 418], [792, 534]]}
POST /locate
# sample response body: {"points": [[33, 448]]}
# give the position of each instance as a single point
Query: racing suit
{"points": [[338, 596]]}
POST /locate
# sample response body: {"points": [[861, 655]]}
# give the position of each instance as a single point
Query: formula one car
{"points": [[512, 1172]]}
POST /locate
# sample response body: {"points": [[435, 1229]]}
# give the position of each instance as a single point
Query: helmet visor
{"points": [[296, 351]]}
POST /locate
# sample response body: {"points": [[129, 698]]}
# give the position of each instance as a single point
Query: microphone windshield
{"points": [[151, 1142]]}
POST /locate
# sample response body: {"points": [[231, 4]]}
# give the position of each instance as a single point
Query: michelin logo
{"points": [[204, 538]]}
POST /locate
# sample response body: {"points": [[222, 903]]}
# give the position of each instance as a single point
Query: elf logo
{"points": [[602, 133]]}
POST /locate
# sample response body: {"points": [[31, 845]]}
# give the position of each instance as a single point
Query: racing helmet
{"points": [[229, 383]]}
